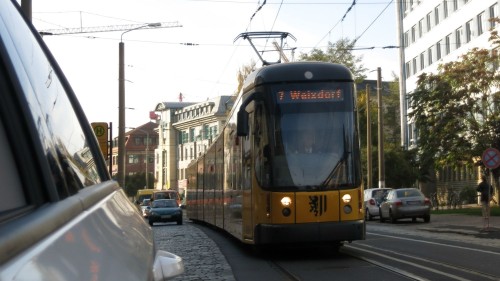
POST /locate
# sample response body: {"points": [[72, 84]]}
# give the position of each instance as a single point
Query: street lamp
{"points": [[121, 103]]}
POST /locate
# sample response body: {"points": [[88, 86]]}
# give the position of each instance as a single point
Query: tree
{"points": [[137, 181], [243, 73], [400, 164], [339, 52], [457, 110]]}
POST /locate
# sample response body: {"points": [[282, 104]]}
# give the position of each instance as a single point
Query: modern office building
{"points": [[433, 32]]}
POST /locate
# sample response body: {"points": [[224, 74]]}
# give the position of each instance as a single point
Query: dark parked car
{"points": [[405, 203], [62, 217], [372, 198], [164, 210]]}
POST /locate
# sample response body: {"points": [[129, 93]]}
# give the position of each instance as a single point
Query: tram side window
{"points": [[261, 146]]}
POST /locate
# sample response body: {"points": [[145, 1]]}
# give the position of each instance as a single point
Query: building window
{"points": [[436, 15], [422, 61], [406, 38], [445, 8], [413, 34], [133, 159], [468, 31], [414, 63], [407, 70], [455, 5], [447, 42], [191, 135], [438, 50], [493, 14], [138, 140], [429, 55], [458, 38], [480, 23], [420, 28], [428, 22]]}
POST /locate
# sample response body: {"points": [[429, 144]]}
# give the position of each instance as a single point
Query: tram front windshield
{"points": [[315, 137]]}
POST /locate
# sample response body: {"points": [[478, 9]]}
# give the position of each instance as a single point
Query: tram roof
{"points": [[295, 72]]}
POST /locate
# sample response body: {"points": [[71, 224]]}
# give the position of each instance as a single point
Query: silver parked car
{"points": [[372, 198], [405, 203], [62, 217]]}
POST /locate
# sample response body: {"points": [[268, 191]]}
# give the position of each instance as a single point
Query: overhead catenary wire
{"points": [[357, 38]]}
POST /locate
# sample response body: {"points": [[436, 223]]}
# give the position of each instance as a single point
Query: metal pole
{"points": [[368, 139], [147, 159], [381, 172], [121, 103], [110, 137], [121, 115]]}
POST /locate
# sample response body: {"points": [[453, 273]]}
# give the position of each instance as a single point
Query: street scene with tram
{"points": [[306, 169]]}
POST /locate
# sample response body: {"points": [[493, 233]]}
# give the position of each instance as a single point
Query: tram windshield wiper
{"points": [[337, 171]]}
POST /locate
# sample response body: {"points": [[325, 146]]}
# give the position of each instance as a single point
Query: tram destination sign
{"points": [[300, 96]]}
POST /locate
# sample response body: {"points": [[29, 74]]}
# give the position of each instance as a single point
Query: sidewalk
{"points": [[465, 227]]}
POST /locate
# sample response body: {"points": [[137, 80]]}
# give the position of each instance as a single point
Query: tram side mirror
{"points": [[242, 127]]}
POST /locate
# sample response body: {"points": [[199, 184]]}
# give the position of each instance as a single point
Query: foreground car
{"points": [[164, 210], [62, 217], [405, 203], [372, 198]]}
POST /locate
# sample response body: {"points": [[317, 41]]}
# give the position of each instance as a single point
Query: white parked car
{"points": [[372, 198], [62, 217]]}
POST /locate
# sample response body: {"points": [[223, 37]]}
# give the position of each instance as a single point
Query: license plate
{"points": [[413, 202], [166, 217]]}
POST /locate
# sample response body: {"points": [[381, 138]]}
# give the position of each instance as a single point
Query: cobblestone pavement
{"points": [[201, 256]]}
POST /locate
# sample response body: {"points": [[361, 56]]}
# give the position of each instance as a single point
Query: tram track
{"points": [[429, 266], [289, 276]]}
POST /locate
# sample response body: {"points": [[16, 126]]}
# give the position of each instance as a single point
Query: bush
{"points": [[468, 195]]}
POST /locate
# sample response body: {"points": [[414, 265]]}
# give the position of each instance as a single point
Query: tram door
{"points": [[246, 174]]}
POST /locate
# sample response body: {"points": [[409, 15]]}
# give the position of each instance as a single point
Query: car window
{"points": [[11, 189], [408, 193], [49, 98]]}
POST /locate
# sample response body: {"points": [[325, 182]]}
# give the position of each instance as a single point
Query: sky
{"points": [[197, 55]]}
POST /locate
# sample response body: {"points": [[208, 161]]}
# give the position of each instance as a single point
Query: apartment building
{"points": [[186, 131], [140, 143]]}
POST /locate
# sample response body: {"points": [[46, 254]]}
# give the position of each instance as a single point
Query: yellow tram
{"points": [[286, 166]]}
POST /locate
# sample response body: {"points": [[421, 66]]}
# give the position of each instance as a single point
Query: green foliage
{"points": [[456, 110], [468, 195], [400, 168], [243, 73], [339, 52], [136, 182], [494, 211]]}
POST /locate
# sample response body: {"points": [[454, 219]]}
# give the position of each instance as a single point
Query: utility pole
{"points": [[368, 139], [381, 168]]}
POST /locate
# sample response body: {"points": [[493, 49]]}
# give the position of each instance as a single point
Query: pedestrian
{"points": [[486, 191]]}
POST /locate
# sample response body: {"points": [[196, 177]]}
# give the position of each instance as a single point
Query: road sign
{"points": [[491, 158], [101, 132]]}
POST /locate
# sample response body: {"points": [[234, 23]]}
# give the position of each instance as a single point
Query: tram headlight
{"points": [[286, 201], [346, 198], [347, 209]]}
